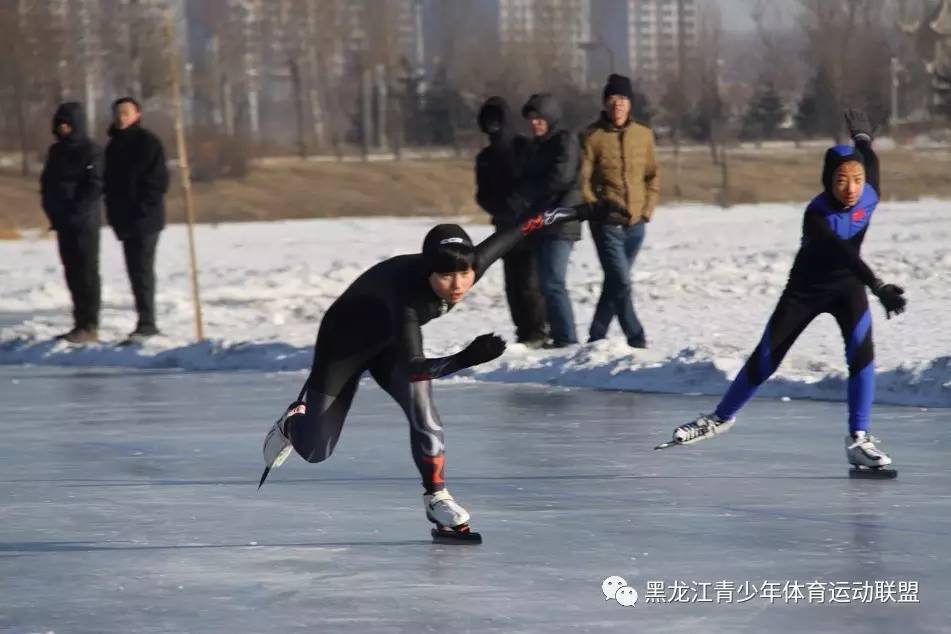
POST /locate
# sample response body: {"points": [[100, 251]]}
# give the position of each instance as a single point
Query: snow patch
{"points": [[705, 283]]}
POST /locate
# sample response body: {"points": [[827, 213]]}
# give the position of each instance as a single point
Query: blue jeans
{"points": [[617, 249], [553, 258]]}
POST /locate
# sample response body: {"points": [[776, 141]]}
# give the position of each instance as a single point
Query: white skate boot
{"points": [[451, 520], [867, 460], [703, 427], [277, 445]]}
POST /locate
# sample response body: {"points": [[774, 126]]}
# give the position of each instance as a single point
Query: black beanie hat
{"points": [[448, 248], [618, 85]]}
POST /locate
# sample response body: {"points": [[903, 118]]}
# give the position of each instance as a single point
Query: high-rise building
{"points": [[363, 25], [662, 34], [563, 25], [516, 21]]}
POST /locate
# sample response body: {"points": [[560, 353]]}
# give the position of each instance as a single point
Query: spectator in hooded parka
{"points": [[550, 179], [498, 167], [71, 188]]}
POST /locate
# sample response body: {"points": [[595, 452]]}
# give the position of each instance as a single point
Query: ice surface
{"points": [[705, 284], [129, 505]]}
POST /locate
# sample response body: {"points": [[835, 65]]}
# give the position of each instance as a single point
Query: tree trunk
{"points": [[298, 107]]}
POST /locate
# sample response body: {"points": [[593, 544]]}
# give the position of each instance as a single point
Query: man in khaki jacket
{"points": [[618, 163]]}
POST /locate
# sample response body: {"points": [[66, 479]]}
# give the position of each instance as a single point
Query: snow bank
{"points": [[705, 283]]}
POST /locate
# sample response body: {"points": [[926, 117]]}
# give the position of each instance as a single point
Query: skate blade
{"points": [[454, 537], [680, 443], [669, 443], [873, 473], [267, 470]]}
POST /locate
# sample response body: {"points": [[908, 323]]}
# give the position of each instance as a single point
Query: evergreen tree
{"points": [[819, 113], [765, 113]]}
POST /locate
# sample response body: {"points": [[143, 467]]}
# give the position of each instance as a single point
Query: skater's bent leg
{"points": [[315, 433], [792, 315], [425, 427], [855, 321], [351, 334]]}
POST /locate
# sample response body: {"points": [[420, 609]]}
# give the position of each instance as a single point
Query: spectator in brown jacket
{"points": [[618, 164]]}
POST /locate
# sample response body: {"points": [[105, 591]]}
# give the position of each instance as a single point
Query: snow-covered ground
{"points": [[705, 283]]}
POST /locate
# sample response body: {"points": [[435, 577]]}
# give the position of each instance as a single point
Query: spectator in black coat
{"points": [[135, 184], [550, 179], [498, 166], [71, 188]]}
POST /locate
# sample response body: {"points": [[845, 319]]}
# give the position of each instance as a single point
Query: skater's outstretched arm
{"points": [[504, 240], [482, 349]]}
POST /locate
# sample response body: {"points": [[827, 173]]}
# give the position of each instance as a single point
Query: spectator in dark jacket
{"points": [[498, 166], [135, 184], [71, 186], [550, 179]]}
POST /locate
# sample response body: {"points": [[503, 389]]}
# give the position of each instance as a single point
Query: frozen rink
{"points": [[129, 505]]}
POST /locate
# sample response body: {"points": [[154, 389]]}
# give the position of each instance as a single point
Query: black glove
{"points": [[891, 298], [482, 349], [604, 210], [859, 125]]}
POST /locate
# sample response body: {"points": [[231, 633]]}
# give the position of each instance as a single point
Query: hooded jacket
{"points": [[499, 164], [72, 177], [620, 164], [550, 176], [832, 233], [136, 180]]}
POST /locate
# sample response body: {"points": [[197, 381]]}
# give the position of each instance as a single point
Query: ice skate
{"points": [[867, 460], [705, 426], [451, 520], [141, 334], [277, 445]]}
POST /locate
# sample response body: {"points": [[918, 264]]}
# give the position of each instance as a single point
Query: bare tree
{"points": [[856, 71], [35, 71]]}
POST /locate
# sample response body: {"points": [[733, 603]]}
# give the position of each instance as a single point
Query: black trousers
{"points": [[350, 342], [525, 299], [79, 252], [139, 253]]}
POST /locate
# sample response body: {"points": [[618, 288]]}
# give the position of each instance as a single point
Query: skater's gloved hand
{"points": [[891, 297], [859, 125], [604, 210], [482, 349]]}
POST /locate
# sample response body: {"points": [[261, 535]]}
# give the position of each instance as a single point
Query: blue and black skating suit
{"points": [[828, 276]]}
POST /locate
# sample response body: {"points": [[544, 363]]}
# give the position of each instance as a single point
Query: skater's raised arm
{"points": [[861, 132], [502, 241]]}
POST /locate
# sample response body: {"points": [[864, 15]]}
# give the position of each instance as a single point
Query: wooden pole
{"points": [[183, 167]]}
